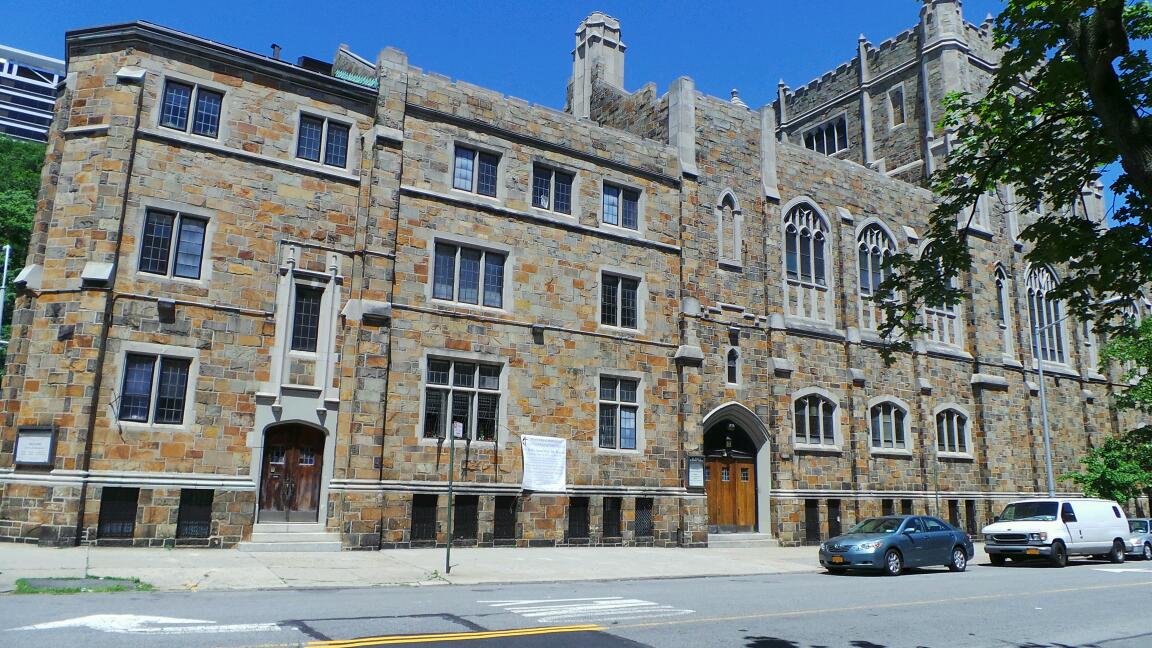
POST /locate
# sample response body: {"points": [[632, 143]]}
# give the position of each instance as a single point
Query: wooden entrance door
{"points": [[290, 481], [731, 487]]}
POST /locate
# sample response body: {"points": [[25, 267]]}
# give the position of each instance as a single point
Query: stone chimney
{"points": [[598, 57]]}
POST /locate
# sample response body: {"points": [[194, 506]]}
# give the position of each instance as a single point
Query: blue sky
{"points": [[521, 48]]}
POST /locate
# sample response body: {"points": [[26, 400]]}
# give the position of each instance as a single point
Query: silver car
{"points": [[893, 542], [1139, 544]]}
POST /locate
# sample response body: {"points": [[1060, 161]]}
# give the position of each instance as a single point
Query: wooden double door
{"points": [[290, 480], [730, 483]]}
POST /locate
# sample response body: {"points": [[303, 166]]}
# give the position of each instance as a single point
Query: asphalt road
{"points": [[1087, 604]]}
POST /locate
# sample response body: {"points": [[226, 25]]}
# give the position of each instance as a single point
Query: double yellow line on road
{"points": [[450, 636]]}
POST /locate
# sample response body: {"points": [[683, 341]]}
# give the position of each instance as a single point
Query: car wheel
{"points": [[959, 560], [1147, 555], [1059, 555], [893, 563], [996, 559], [1116, 556]]}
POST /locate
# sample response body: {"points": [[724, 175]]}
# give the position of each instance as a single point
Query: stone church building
{"points": [[270, 304]]}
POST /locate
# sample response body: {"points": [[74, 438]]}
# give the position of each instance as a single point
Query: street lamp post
{"points": [[1044, 399]]}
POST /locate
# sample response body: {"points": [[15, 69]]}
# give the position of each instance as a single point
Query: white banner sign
{"points": [[545, 463]]}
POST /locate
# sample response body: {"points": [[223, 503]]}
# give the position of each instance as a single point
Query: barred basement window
{"points": [[906, 507], [887, 507], [504, 518], [951, 432], [644, 522], [577, 518], [611, 519], [618, 413], [117, 512], [465, 513], [552, 189], [814, 418], [195, 516], [306, 317], [176, 107], [812, 521], [619, 301], [423, 517], [172, 244], [145, 374], [475, 171], [322, 134], [468, 275], [888, 431], [464, 392], [621, 207]]}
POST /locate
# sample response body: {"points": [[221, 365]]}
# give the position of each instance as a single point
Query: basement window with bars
{"points": [[465, 517], [504, 518], [644, 526], [424, 517], [195, 516], [577, 518], [117, 512], [612, 514]]}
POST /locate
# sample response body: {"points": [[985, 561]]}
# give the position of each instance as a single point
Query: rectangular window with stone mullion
{"points": [[317, 134], [306, 318], [621, 207], [619, 301], [172, 244], [147, 376], [183, 100], [551, 189], [475, 171], [618, 410], [462, 392], [468, 275]]}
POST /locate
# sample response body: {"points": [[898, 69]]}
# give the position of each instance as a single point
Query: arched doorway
{"points": [[737, 473], [291, 473]]}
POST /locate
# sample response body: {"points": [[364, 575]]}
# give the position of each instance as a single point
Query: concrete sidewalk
{"points": [[224, 569]]}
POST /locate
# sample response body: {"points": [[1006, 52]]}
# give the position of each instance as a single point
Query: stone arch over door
{"points": [[758, 444], [294, 469]]}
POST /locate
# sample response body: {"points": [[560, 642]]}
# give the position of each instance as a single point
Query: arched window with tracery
{"points": [[1003, 312], [943, 320], [729, 231], [815, 420], [806, 286], [874, 246], [1045, 319]]}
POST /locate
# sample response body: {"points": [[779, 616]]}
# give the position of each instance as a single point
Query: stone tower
{"points": [[599, 55]]}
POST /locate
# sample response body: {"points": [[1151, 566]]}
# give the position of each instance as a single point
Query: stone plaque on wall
{"points": [[35, 446]]}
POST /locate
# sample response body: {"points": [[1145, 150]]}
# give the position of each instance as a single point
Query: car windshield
{"points": [[1138, 526], [877, 525], [1030, 511]]}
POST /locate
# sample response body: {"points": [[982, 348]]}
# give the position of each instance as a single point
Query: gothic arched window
{"points": [[806, 285], [1046, 323], [874, 246]]}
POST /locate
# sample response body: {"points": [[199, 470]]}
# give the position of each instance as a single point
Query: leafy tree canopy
{"points": [[1071, 96]]}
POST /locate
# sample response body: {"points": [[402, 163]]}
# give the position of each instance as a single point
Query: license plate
{"points": [[837, 559], [1032, 552]]}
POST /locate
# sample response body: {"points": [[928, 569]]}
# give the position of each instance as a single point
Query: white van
{"points": [[1055, 528]]}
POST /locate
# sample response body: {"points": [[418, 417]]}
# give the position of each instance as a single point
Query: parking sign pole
{"points": [[457, 428]]}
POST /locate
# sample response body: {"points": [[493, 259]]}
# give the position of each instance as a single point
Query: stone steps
{"points": [[741, 540], [279, 536]]}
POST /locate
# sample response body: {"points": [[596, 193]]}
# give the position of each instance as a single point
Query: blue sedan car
{"points": [[894, 542]]}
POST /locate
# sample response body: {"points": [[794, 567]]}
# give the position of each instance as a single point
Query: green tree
{"points": [[20, 164], [1072, 96]]}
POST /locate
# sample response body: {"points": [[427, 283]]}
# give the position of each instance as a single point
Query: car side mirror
{"points": [[909, 531], [996, 519]]}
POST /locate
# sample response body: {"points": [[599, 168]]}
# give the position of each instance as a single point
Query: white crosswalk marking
{"points": [[600, 609]]}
